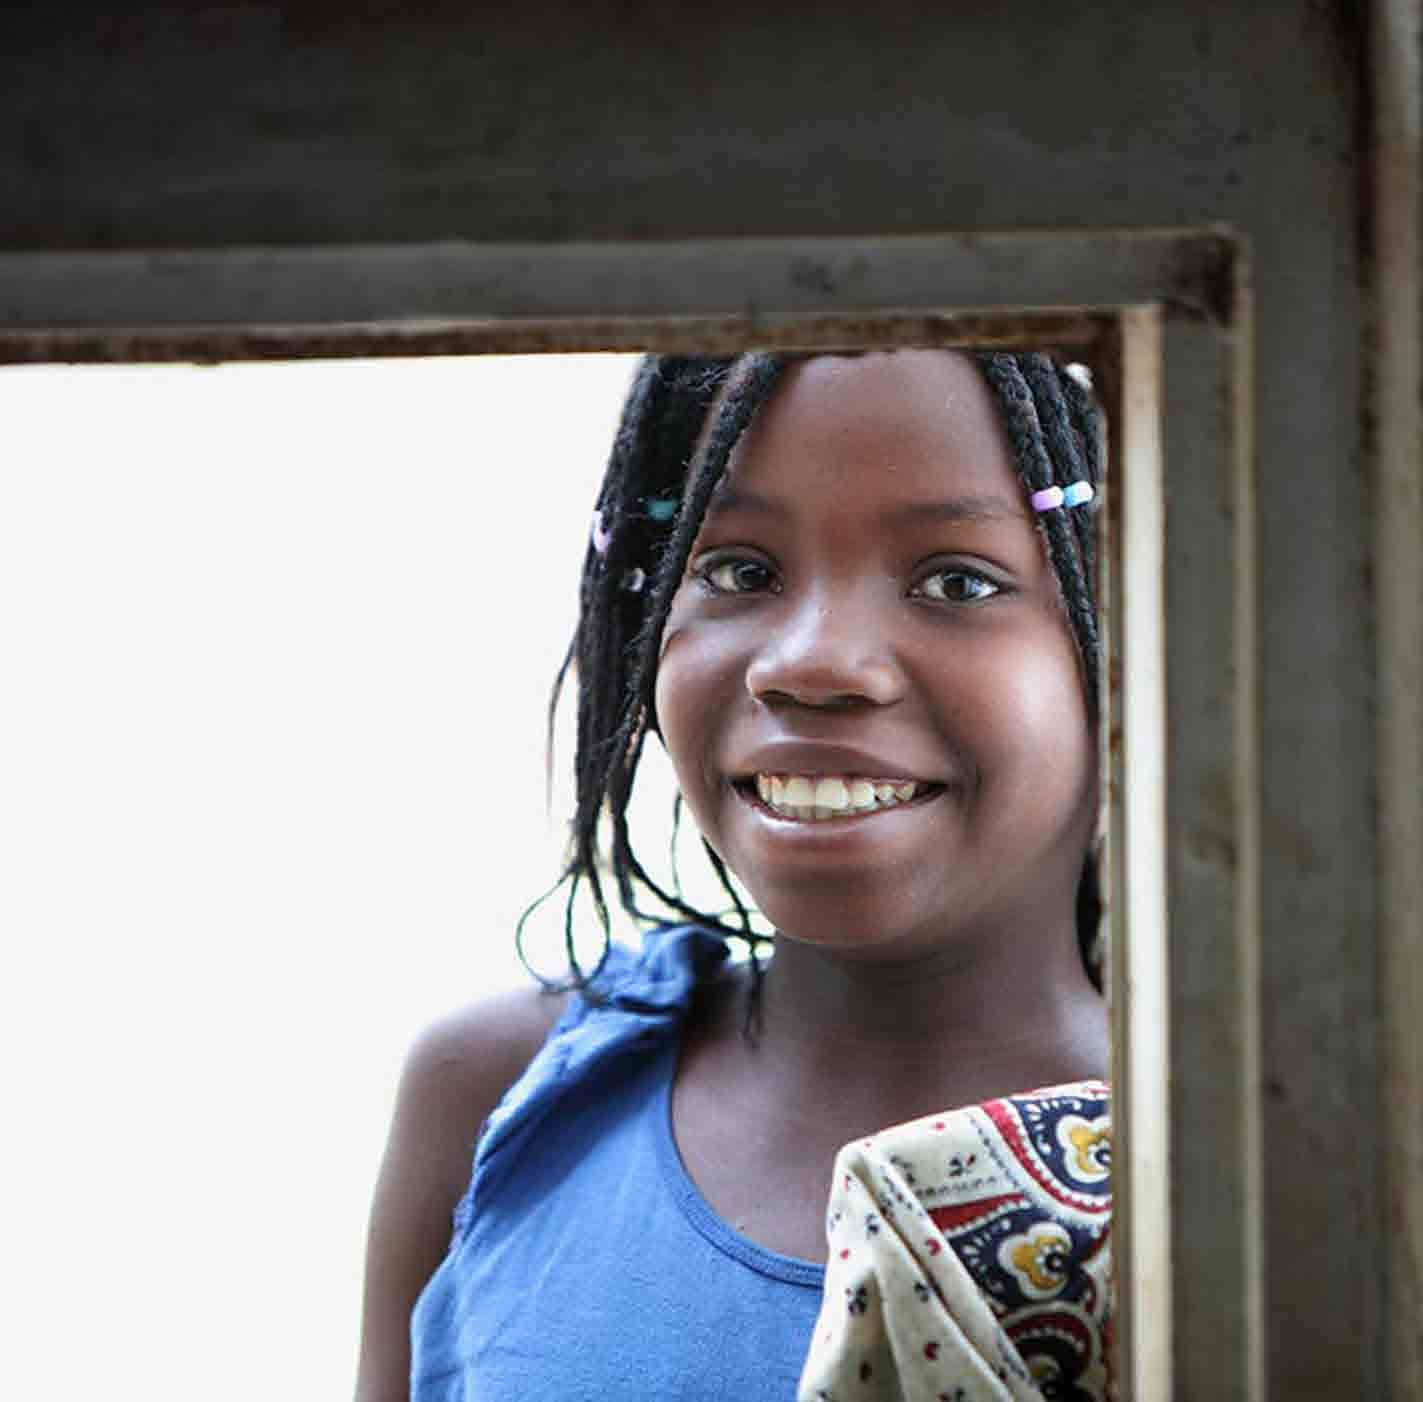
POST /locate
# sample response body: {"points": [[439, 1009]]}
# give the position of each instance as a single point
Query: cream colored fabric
{"points": [[969, 1257]]}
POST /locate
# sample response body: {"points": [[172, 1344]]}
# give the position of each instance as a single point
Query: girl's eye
{"points": [[958, 586], [739, 575]]}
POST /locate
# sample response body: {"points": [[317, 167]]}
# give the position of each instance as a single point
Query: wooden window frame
{"points": [[1168, 315]]}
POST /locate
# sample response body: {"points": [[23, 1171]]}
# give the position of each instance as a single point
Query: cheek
{"points": [[1045, 697], [1050, 712], [682, 697], [1035, 716]]}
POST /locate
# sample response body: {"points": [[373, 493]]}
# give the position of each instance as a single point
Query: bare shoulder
{"points": [[460, 1066], [455, 1073]]}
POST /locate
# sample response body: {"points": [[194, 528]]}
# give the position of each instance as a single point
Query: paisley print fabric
{"points": [[969, 1257]]}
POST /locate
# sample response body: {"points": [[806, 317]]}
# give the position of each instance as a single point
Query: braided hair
{"points": [[681, 422]]}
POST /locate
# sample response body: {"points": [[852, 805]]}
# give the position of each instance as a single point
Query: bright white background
{"points": [[275, 645]]}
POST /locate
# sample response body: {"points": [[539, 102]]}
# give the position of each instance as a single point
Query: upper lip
{"points": [[818, 757]]}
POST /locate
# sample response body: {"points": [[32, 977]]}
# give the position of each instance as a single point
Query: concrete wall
{"points": [[208, 126]]}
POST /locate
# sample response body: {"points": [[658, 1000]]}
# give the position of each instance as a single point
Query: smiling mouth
{"points": [[819, 798]]}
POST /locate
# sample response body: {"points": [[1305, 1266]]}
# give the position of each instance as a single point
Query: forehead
{"points": [[898, 423]]}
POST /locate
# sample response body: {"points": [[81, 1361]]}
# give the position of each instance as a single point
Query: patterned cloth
{"points": [[969, 1257]]}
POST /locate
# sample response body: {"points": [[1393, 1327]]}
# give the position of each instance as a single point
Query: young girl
{"points": [[852, 596]]}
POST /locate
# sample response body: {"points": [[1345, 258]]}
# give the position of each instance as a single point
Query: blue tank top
{"points": [[585, 1264]]}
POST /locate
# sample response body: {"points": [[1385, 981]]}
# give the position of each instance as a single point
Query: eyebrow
{"points": [[948, 509], [729, 498]]}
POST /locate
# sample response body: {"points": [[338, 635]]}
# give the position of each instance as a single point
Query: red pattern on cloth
{"points": [[1019, 1304]]}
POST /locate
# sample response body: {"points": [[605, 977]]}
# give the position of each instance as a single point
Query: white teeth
{"points": [[816, 797], [800, 792]]}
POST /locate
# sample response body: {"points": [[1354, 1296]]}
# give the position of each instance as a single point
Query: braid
{"points": [[1054, 429], [1047, 453], [680, 425], [1087, 428], [743, 392], [650, 509], [1066, 448]]}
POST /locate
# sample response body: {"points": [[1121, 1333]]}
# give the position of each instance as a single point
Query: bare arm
{"points": [[454, 1076]]}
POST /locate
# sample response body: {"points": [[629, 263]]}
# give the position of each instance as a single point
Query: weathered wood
{"points": [[1397, 411], [1185, 806]]}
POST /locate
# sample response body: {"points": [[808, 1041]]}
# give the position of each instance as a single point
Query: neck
{"points": [[937, 1029]]}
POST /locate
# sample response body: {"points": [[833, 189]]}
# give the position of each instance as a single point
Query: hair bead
{"points": [[1050, 498]]}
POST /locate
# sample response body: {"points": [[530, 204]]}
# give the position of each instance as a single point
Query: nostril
{"points": [[864, 682], [820, 700]]}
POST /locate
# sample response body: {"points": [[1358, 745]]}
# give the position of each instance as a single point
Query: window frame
{"points": [[1168, 314]]}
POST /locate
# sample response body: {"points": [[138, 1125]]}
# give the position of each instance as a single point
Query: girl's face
{"points": [[867, 686]]}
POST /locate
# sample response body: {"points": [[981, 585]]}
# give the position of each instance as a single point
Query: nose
{"points": [[825, 652]]}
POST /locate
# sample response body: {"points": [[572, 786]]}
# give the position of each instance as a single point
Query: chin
{"points": [[845, 923]]}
